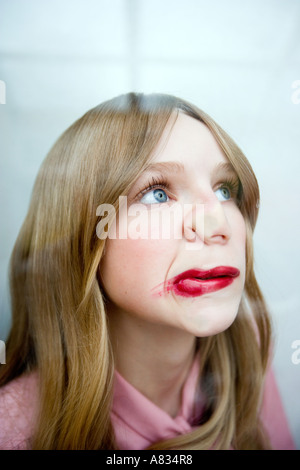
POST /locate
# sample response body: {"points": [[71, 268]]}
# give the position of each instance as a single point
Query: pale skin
{"points": [[154, 337]]}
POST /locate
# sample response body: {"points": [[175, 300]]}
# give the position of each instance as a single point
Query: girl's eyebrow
{"points": [[174, 167], [177, 167], [224, 167]]}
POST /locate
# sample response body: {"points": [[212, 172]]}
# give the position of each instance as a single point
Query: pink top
{"points": [[18, 401], [137, 421]]}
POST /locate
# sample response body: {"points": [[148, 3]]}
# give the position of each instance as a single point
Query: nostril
{"points": [[219, 238]]}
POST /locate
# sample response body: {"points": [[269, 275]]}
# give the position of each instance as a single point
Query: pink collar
{"points": [[138, 422]]}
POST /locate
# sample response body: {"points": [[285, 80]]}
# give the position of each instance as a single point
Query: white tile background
{"points": [[235, 59]]}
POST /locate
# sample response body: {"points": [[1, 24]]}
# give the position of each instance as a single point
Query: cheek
{"points": [[137, 262], [237, 241], [238, 230], [132, 268], [241, 235]]}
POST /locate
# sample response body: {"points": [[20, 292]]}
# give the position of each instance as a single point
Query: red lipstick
{"points": [[196, 282]]}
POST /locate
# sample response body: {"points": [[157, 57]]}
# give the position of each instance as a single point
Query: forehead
{"points": [[190, 143]]}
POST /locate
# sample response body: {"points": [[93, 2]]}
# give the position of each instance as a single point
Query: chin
{"points": [[213, 324]]}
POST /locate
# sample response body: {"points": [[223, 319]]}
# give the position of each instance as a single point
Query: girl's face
{"points": [[187, 271]]}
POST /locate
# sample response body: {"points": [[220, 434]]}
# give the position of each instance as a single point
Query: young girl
{"points": [[136, 328]]}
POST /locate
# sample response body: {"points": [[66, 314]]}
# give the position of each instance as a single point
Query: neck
{"points": [[155, 359]]}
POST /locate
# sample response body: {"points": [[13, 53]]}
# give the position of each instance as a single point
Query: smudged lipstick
{"points": [[196, 282]]}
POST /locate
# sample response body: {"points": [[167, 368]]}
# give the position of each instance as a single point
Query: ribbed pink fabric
{"points": [[18, 400]]}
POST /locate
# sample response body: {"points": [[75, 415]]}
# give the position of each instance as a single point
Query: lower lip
{"points": [[196, 287]]}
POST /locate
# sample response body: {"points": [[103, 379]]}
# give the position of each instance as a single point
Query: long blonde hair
{"points": [[59, 324]]}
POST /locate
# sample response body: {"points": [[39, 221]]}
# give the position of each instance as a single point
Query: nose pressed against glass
{"points": [[194, 281]]}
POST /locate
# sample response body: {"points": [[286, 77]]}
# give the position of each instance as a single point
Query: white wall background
{"points": [[237, 60]]}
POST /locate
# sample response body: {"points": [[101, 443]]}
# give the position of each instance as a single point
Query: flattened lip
{"points": [[207, 280], [207, 274]]}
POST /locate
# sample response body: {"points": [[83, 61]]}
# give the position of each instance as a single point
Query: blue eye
{"points": [[155, 196], [223, 193]]}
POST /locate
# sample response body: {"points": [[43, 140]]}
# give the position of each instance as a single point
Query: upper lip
{"points": [[204, 274]]}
